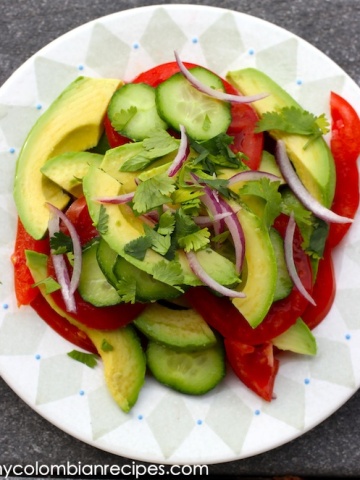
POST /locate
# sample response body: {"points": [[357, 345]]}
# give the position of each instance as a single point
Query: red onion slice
{"points": [[182, 153], [62, 274], [209, 281], [211, 202], [237, 234], [207, 220], [250, 175], [226, 97], [117, 199], [301, 192], [289, 257]]}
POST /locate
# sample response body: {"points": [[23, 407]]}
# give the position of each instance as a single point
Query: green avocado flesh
{"points": [[124, 364], [73, 122], [315, 164]]}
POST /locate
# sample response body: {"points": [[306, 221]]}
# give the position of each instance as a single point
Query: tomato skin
{"points": [[114, 138], [61, 326], [224, 317], [78, 214], [255, 366], [23, 280], [345, 147], [156, 75], [323, 292]]}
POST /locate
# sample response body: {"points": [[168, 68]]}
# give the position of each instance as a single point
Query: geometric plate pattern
{"points": [[230, 422]]}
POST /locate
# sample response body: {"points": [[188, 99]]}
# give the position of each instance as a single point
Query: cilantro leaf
{"points": [[159, 243], [269, 192], [88, 359], [294, 120], [61, 243], [153, 192], [195, 241], [158, 144], [103, 220], [166, 223], [122, 117], [126, 289], [50, 284], [137, 247], [188, 235], [169, 273]]}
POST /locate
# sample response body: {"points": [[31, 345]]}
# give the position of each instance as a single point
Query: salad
{"points": [[182, 224]]}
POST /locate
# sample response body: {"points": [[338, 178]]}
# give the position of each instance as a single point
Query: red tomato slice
{"points": [[78, 214], [323, 292], [224, 317], [24, 291], [345, 147], [255, 366], [244, 119], [61, 325], [114, 138], [160, 73]]}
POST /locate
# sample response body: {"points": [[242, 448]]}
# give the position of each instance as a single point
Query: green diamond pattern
{"points": [[14, 131], [59, 377], [279, 61], [162, 36], [230, 419], [170, 422], [108, 417], [107, 54], [21, 336], [333, 363], [221, 43]]}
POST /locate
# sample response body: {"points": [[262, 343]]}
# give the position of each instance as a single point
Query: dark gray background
{"points": [[332, 448]]}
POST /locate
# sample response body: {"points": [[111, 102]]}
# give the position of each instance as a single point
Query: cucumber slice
{"points": [[184, 329], [106, 258], [193, 373], [147, 288], [284, 283], [179, 103], [93, 286], [132, 111]]}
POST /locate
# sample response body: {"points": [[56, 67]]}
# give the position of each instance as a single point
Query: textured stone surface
{"points": [[331, 449]]}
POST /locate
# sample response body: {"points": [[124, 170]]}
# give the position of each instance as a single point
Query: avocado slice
{"points": [[73, 122], [315, 164], [68, 169], [124, 364], [259, 284], [298, 338]]}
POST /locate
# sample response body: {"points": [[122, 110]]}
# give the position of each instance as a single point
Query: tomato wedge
{"points": [[345, 147], [255, 366], [323, 292], [61, 325], [224, 317], [24, 292], [78, 214]]}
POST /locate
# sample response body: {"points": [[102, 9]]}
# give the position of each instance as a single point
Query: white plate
{"points": [[230, 422]]}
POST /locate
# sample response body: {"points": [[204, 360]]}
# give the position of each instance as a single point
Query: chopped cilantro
{"points": [[61, 243], [106, 346], [122, 117], [166, 223], [153, 192], [102, 223], [159, 243], [160, 143], [127, 290], [168, 272], [294, 120], [188, 235], [269, 192], [88, 359], [137, 247]]}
